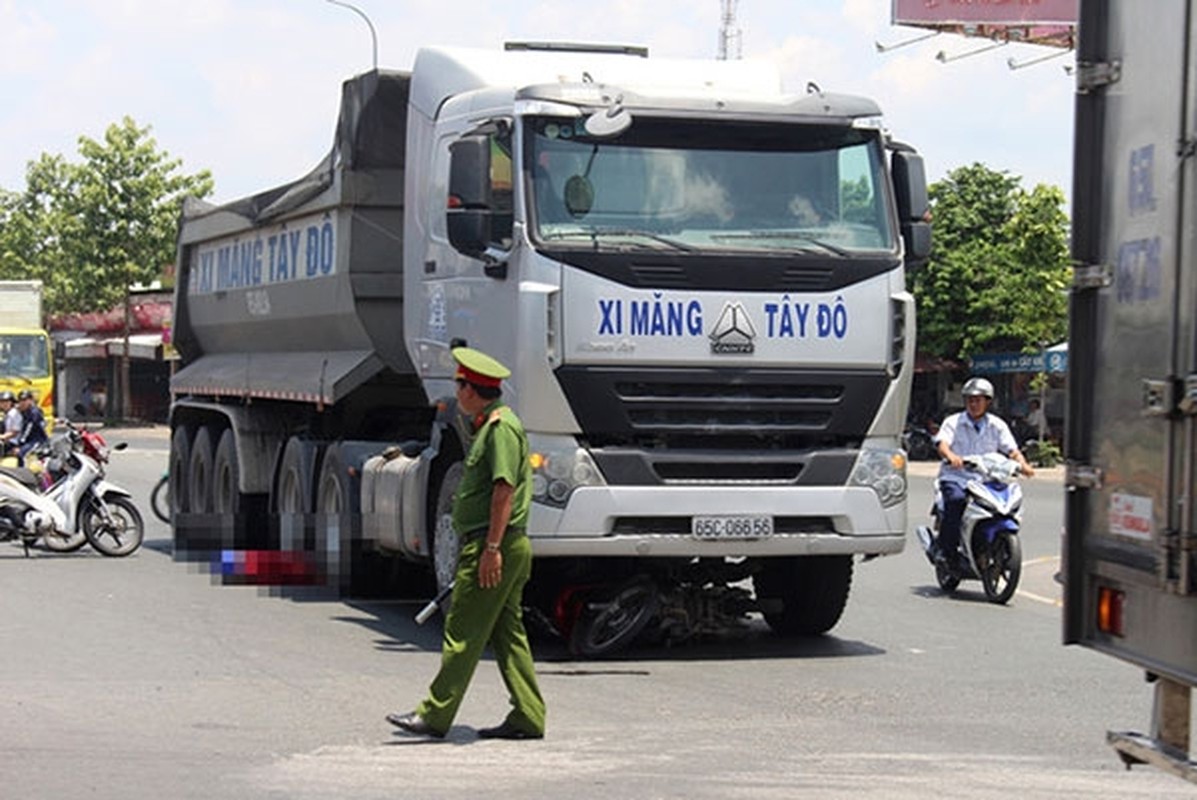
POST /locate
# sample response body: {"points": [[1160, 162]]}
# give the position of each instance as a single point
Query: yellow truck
{"points": [[26, 356]]}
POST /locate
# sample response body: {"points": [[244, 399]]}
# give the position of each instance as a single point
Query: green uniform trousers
{"points": [[479, 617]]}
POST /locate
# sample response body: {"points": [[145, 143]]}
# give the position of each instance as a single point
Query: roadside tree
{"points": [[87, 230], [999, 270]]}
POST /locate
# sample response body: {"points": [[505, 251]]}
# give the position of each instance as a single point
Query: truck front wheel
{"points": [[804, 596], [445, 541]]}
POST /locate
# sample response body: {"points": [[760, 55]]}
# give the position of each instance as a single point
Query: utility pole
{"points": [[729, 33]]}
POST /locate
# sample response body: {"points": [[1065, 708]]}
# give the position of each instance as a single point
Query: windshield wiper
{"points": [[595, 233], [805, 237]]}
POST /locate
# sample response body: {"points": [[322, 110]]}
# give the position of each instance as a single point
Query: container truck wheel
{"points": [[199, 472], [445, 541], [180, 454], [226, 494], [812, 591]]}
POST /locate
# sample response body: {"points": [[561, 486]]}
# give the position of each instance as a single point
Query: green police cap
{"points": [[478, 368]]}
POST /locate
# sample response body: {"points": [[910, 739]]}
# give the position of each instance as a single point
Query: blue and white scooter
{"points": [[989, 547]]}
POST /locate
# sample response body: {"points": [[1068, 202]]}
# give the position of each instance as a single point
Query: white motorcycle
{"points": [[989, 550], [78, 507]]}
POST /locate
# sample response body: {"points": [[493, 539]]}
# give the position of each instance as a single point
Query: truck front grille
{"points": [[742, 408]]}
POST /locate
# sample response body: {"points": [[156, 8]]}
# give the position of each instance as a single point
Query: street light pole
{"points": [[362, 14]]}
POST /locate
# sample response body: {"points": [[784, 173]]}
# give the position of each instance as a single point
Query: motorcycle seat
{"points": [[22, 475]]}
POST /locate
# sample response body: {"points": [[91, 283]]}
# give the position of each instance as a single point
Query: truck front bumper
{"points": [[655, 521]]}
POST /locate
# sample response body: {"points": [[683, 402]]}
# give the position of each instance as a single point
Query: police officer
{"points": [[490, 513]]}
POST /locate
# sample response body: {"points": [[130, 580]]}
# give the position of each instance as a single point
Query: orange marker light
{"points": [[1109, 610]]}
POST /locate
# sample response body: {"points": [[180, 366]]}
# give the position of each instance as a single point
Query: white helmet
{"points": [[977, 386]]}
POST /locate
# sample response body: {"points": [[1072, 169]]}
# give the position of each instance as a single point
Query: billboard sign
{"points": [[984, 12]]}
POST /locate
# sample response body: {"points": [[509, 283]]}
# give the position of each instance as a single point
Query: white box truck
{"points": [[697, 281]]}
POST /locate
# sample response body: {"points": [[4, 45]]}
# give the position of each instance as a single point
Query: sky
{"points": [[249, 89]]}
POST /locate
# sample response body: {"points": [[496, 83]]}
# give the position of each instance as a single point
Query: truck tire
{"points": [[445, 542], [226, 492], [813, 591], [199, 472], [294, 488], [180, 454]]}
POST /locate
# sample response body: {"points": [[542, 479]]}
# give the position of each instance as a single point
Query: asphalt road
{"points": [[142, 678]]}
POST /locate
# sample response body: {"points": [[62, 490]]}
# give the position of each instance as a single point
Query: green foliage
{"points": [[999, 268], [89, 229], [1043, 453]]}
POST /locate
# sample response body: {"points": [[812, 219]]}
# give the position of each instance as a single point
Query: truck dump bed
{"points": [[297, 293]]}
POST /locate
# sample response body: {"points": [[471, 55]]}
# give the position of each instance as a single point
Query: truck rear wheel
{"points": [[199, 472], [226, 491], [812, 591], [294, 492], [180, 454]]}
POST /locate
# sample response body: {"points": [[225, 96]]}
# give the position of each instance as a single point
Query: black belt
{"points": [[480, 533]]}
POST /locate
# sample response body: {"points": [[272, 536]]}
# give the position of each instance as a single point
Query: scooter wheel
{"points": [[1000, 575], [948, 580], [609, 623], [117, 534]]}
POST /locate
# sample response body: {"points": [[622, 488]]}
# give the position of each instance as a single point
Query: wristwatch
{"points": [[491, 547]]}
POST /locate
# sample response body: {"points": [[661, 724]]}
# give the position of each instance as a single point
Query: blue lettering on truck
{"points": [[660, 317], [295, 251], [655, 317], [794, 320]]}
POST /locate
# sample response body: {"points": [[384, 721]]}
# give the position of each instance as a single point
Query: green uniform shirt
{"points": [[499, 451]]}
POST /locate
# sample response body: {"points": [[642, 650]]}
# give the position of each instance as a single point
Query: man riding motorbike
{"points": [[971, 432], [33, 425]]}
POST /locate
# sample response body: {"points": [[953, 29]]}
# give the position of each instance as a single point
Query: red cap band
{"points": [[468, 375]]}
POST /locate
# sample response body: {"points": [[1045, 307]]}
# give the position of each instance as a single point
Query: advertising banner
{"points": [[984, 12]]}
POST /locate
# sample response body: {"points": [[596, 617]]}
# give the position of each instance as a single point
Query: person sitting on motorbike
{"points": [[971, 432], [33, 426], [12, 420]]}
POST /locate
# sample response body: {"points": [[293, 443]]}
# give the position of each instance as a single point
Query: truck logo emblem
{"points": [[734, 333]]}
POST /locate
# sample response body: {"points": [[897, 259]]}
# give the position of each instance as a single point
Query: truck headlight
{"points": [[557, 471], [883, 471]]}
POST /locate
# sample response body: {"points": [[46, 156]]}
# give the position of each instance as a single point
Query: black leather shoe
{"points": [[507, 731], [413, 723]]}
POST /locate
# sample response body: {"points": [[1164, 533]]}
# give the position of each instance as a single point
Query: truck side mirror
{"points": [[479, 213], [469, 208], [910, 191]]}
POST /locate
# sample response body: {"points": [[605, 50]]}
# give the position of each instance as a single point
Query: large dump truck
{"points": [[697, 281], [1131, 536]]}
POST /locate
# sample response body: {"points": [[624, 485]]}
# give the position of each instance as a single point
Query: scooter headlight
{"points": [[883, 471], [558, 468]]}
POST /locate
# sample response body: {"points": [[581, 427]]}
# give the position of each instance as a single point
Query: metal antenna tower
{"points": [[729, 34]]}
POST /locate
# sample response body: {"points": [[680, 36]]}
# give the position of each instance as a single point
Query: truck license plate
{"points": [[743, 526]]}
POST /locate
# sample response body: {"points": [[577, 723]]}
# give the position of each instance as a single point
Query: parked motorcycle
{"points": [[990, 550], [919, 443], [79, 506]]}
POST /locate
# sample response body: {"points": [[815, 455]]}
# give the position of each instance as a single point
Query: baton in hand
{"points": [[434, 605]]}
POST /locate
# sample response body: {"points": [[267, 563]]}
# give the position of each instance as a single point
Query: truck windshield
{"points": [[696, 185], [24, 355]]}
